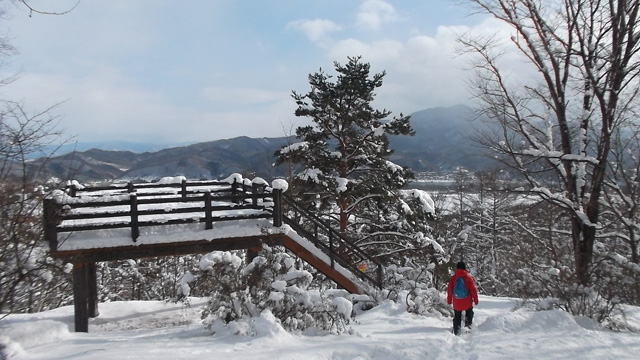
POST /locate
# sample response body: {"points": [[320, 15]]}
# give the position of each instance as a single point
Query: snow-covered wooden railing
{"points": [[76, 218], [331, 242], [167, 202]]}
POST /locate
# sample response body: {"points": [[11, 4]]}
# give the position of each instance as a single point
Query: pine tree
{"points": [[342, 160]]}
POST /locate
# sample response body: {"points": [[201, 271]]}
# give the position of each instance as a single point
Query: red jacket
{"points": [[466, 303]]}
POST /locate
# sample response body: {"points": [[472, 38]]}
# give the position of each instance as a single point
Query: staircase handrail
{"points": [[335, 253]]}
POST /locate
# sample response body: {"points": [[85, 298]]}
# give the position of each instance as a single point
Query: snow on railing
{"points": [[166, 202]]}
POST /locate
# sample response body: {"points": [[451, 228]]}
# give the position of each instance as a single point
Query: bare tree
{"points": [[555, 127], [26, 274], [29, 280], [622, 208]]}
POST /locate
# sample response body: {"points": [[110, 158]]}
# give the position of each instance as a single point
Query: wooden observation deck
{"points": [[86, 225]]}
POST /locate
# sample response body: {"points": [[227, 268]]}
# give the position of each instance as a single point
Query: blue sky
{"points": [[188, 71]]}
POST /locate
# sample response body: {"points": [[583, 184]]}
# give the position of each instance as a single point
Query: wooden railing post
{"points": [[234, 192], [331, 252], [277, 207], [130, 187], [135, 230], [208, 217], [255, 189], [315, 233], [51, 213], [184, 188]]}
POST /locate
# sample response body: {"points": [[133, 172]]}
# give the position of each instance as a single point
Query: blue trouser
{"points": [[457, 319]]}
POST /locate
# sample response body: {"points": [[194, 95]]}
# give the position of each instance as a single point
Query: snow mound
{"points": [[264, 327], [25, 334], [267, 326], [525, 321]]}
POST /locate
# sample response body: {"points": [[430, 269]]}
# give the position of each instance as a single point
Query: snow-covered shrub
{"points": [[273, 282], [413, 287]]}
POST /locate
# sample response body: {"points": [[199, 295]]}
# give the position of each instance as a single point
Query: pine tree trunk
{"points": [[343, 221]]}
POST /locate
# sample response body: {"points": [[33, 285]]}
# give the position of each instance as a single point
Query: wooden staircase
{"points": [[344, 260]]}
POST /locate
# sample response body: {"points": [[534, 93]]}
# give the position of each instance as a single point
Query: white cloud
{"points": [[372, 14], [316, 30], [375, 52], [107, 106], [127, 73], [271, 121], [423, 70], [235, 96]]}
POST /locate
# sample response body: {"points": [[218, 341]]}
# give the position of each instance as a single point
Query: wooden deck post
{"points": [[81, 297], [92, 286]]}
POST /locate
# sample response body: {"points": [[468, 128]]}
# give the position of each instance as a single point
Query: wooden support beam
{"points": [[170, 249], [92, 282], [321, 266], [81, 297]]}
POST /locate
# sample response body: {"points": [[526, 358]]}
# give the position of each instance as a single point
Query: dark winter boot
{"points": [[457, 322], [468, 317]]}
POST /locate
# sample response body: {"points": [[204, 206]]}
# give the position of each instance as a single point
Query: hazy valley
{"points": [[442, 143]]}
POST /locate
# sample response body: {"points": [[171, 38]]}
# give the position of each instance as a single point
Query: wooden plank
{"points": [[197, 196], [131, 187], [180, 210], [168, 249], [126, 224]]}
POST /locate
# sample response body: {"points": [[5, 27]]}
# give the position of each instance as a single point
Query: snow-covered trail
{"points": [[155, 330]]}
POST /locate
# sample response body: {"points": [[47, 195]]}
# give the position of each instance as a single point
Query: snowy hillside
{"points": [[157, 330]]}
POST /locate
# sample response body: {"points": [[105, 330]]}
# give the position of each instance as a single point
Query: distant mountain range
{"points": [[442, 143]]}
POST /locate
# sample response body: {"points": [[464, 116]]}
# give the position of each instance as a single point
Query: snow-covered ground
{"points": [[157, 330]]}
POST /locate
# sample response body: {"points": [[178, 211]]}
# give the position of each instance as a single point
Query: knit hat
{"points": [[461, 265]]}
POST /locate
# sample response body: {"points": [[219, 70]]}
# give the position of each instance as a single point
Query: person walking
{"points": [[463, 294]]}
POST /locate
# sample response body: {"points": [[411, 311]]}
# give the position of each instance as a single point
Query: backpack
{"points": [[459, 289]]}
